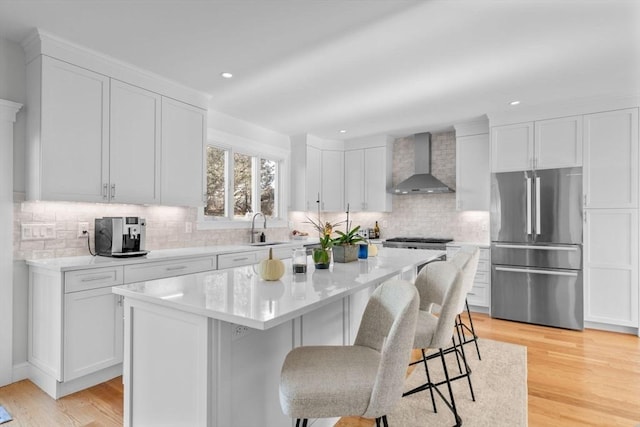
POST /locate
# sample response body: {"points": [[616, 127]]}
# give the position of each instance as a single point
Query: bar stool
{"points": [[470, 267], [364, 379]]}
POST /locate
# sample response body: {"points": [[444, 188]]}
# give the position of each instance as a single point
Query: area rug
{"points": [[499, 382]]}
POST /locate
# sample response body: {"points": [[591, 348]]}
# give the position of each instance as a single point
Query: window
{"points": [[240, 184]]}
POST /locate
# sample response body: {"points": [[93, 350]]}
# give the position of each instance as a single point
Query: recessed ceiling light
{"points": [[514, 103], [343, 131], [226, 75]]}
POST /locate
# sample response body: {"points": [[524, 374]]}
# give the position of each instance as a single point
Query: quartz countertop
{"points": [[88, 261], [238, 295]]}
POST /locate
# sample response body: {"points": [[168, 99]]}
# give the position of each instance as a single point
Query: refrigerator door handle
{"points": [[529, 231], [538, 227], [529, 270], [538, 248]]}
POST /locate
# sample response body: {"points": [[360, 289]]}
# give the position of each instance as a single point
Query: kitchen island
{"points": [[206, 349]]}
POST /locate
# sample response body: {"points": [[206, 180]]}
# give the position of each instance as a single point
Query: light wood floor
{"points": [[589, 378]]}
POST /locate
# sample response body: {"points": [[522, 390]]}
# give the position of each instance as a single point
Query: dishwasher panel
{"points": [[550, 297]]}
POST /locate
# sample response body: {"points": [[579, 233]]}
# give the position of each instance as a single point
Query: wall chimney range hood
{"points": [[422, 182]]}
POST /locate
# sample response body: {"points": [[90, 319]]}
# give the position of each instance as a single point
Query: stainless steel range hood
{"points": [[422, 182]]}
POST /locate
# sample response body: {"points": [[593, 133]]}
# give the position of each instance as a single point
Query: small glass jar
{"points": [[299, 261], [363, 251]]}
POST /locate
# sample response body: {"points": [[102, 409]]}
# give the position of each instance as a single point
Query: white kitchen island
{"points": [[206, 349]]}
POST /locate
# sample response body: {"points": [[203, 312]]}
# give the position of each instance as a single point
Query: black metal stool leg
{"points": [[473, 331]]}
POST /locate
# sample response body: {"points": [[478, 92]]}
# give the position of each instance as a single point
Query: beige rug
{"points": [[499, 382]]}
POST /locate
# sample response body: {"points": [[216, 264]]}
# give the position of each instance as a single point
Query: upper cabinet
{"points": [[611, 159], [68, 132], [183, 137], [367, 174], [332, 178], [97, 134], [543, 144], [472, 166]]}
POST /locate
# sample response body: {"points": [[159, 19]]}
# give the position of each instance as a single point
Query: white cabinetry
{"points": [[96, 136], [611, 159], [611, 266], [367, 176], [183, 139], [479, 297], [134, 149], [68, 132], [472, 169], [332, 192], [544, 144], [313, 178]]}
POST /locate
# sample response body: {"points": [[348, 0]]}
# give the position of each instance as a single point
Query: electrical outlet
{"points": [[83, 229], [238, 331]]}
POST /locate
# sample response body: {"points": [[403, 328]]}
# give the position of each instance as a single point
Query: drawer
{"points": [[280, 253], [159, 270], [478, 296], [237, 260], [485, 254], [482, 277], [484, 265], [82, 280]]}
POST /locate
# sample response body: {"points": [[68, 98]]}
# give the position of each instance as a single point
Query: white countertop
{"points": [[238, 295], [84, 262]]}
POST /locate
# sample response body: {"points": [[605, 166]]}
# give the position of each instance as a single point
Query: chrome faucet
{"points": [[253, 220]]}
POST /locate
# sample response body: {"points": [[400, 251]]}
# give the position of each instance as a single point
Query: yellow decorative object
{"points": [[373, 250], [271, 268]]}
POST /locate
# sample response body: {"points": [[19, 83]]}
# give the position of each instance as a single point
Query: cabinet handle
{"points": [[104, 191], [181, 267], [241, 259], [113, 191], [585, 200], [93, 279], [120, 300]]}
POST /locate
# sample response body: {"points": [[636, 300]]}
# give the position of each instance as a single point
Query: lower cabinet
{"points": [[611, 267]]}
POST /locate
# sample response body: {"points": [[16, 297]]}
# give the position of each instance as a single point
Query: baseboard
{"points": [[478, 309], [57, 389], [611, 328], [20, 372]]}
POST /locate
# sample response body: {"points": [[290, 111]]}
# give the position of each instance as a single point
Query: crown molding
{"points": [[40, 42], [478, 126], [8, 110]]}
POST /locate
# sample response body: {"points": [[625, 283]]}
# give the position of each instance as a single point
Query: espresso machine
{"points": [[120, 236]]}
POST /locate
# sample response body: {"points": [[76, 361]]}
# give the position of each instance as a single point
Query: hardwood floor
{"points": [[589, 378]]}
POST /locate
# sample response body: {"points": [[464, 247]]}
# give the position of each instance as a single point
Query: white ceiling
{"points": [[368, 66]]}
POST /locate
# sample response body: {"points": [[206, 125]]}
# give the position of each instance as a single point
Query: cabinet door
{"points": [[611, 266], [558, 143], [135, 144], [611, 159], [354, 180], [472, 173], [377, 199], [332, 192], [93, 332], [314, 172], [183, 139], [74, 133], [512, 147]]}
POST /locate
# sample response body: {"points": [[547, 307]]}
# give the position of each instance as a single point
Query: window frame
{"points": [[257, 151]]}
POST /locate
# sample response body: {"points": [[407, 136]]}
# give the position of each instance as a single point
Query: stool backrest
{"points": [[388, 325], [467, 260]]}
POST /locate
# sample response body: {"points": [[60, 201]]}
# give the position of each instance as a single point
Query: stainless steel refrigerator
{"points": [[536, 247]]}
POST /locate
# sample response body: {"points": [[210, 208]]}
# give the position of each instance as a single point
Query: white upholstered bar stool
{"points": [[364, 379], [469, 265], [440, 284]]}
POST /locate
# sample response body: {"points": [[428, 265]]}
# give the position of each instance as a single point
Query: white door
{"points": [[558, 143], [512, 147], [611, 266], [472, 173], [135, 144], [611, 159], [354, 180], [93, 332], [74, 133], [183, 142], [332, 193], [8, 112]]}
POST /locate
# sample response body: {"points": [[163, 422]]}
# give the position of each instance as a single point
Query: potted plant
{"points": [[322, 255], [345, 248]]}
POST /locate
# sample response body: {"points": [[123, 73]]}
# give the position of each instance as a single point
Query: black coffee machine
{"points": [[120, 236]]}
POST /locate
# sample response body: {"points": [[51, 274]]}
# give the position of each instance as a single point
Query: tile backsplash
{"points": [[415, 215]]}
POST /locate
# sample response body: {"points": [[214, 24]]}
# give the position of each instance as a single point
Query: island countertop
{"points": [[238, 295]]}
